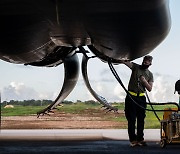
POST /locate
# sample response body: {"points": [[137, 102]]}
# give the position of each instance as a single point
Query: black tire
{"points": [[163, 143]]}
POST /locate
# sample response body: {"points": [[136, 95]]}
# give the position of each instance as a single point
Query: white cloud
{"points": [[119, 93], [162, 92], [90, 97], [163, 89], [109, 90], [18, 91]]}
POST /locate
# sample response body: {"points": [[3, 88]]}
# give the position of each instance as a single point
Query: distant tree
{"points": [[28, 102], [78, 101], [67, 102], [91, 102]]}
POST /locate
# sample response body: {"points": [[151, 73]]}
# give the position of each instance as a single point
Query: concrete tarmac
{"points": [[86, 141], [74, 134]]}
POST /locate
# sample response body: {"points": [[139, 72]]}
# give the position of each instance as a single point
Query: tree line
{"points": [[33, 102]]}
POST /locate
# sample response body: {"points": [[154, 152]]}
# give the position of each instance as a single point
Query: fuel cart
{"points": [[170, 128]]}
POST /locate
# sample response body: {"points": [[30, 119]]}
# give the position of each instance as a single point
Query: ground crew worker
{"points": [[177, 88], [140, 80]]}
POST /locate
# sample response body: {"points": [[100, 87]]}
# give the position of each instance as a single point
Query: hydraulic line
{"points": [[122, 85], [152, 107]]}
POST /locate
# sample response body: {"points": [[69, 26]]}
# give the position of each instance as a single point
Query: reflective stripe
{"points": [[135, 94]]}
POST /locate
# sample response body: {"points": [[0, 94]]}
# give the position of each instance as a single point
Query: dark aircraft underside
{"points": [[50, 32]]}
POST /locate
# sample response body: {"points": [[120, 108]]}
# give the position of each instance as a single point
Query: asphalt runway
{"points": [[83, 147], [79, 141]]}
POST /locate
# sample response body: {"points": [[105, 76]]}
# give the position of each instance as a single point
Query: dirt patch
{"points": [[60, 120]]}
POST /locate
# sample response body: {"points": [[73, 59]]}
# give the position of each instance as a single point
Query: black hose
{"points": [[152, 107], [122, 85]]}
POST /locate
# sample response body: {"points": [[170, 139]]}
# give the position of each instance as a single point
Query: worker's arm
{"points": [[148, 85], [128, 63]]}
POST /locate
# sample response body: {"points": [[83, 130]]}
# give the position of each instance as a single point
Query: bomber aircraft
{"points": [[47, 33]]}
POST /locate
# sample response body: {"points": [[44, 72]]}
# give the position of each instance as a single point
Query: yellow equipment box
{"points": [[170, 127]]}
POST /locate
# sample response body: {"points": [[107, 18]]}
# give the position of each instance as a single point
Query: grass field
{"points": [[80, 108]]}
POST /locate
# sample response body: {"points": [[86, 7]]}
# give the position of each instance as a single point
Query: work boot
{"points": [[142, 143], [133, 143]]}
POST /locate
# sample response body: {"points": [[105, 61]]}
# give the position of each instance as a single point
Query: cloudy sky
{"points": [[20, 82]]}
